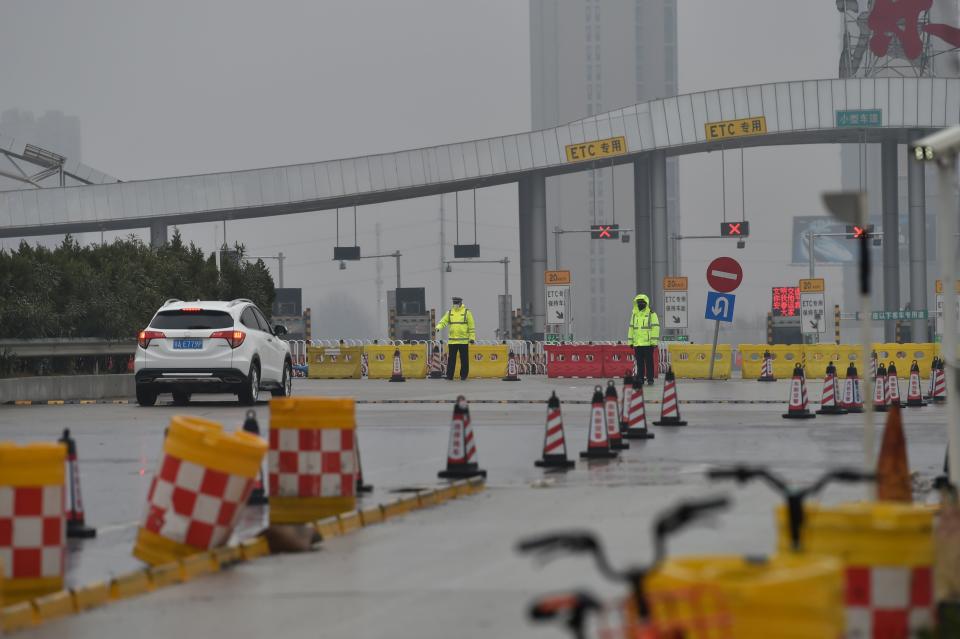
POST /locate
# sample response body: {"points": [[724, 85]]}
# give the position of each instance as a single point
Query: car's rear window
{"points": [[186, 320]]}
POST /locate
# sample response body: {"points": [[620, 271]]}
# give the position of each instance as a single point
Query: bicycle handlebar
{"points": [[682, 514]]}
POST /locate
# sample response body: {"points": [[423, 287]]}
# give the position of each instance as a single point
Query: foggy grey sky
{"points": [[180, 87]]}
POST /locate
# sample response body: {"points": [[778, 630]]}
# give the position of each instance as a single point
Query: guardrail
{"points": [[67, 347]]}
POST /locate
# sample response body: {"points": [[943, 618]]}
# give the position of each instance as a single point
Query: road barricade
{"points": [[904, 354], [787, 596], [692, 361], [618, 360], [816, 357], [487, 361], [887, 552], [751, 359], [413, 357], [574, 360], [199, 490], [32, 520], [312, 471], [334, 362]]}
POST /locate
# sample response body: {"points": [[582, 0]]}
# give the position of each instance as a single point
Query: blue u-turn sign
{"points": [[720, 306]]}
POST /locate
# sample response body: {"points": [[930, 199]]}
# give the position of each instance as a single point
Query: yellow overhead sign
{"points": [[605, 148], [814, 285], [735, 128], [940, 287], [556, 277], [675, 283]]}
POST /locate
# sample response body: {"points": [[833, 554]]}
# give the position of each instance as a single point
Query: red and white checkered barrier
{"points": [[888, 602], [311, 463], [32, 524], [193, 505]]}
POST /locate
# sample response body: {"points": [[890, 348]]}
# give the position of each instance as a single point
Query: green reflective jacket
{"points": [[462, 329], [644, 325]]}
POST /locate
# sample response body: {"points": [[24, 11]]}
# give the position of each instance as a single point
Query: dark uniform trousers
{"points": [[463, 350]]}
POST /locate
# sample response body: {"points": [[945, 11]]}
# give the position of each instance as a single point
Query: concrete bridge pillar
{"points": [[659, 234], [158, 233], [641, 224], [891, 236], [916, 194], [532, 195]]}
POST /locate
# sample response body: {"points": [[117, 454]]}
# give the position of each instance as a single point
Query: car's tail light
{"points": [[234, 338], [143, 339]]}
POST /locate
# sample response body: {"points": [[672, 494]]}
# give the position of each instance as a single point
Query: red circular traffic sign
{"points": [[724, 274]]}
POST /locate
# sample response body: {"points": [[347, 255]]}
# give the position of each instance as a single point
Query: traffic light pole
{"points": [[557, 232]]}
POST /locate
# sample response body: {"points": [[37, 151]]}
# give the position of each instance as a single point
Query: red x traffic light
{"points": [[604, 231], [735, 229]]}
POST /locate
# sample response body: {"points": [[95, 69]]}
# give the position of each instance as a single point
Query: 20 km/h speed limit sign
{"points": [[674, 313]]}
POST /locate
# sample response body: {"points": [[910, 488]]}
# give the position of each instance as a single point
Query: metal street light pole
{"points": [[280, 257], [396, 255], [504, 312]]}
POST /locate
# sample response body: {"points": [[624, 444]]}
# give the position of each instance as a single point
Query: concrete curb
{"points": [[72, 601], [66, 387]]}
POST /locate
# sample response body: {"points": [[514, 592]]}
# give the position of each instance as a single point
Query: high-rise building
{"points": [[588, 57]]}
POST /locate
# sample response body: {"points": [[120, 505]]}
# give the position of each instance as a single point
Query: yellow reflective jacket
{"points": [[644, 325], [462, 329]]}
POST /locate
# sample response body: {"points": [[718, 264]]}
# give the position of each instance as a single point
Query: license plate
{"points": [[187, 343]]}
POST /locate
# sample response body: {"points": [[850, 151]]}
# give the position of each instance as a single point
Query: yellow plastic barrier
{"points": [[199, 458], [325, 362], [412, 356], [751, 357], [887, 544], [817, 356], [692, 361], [31, 479], [312, 458], [486, 361], [786, 596], [903, 355]]}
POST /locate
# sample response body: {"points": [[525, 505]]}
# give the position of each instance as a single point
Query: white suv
{"points": [[211, 347]]}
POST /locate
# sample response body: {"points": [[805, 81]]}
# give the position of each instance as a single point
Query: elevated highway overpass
{"points": [[644, 134]]}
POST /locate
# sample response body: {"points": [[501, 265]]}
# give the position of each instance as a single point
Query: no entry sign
{"points": [[724, 274]]}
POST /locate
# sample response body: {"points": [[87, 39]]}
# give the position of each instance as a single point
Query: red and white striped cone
{"points": [[828, 399], [766, 372], [940, 386], [852, 401], [625, 399], [670, 406], [76, 522], [880, 394], [803, 386], [554, 441], [598, 441], [462, 449], [513, 372], [914, 394], [635, 414], [258, 495], [933, 379], [436, 363], [873, 365], [797, 404], [397, 375], [893, 386], [612, 409]]}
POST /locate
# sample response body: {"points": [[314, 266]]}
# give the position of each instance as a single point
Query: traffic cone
{"points": [[462, 450], [625, 399], [893, 470], [852, 400], [914, 394], [873, 365], [76, 523], [397, 375], [797, 406], [513, 372], [828, 398], [554, 441], [612, 408], [880, 390], [766, 372], [598, 441], [933, 379], [258, 496], [670, 406], [940, 386], [436, 363], [635, 413], [361, 487], [893, 386]]}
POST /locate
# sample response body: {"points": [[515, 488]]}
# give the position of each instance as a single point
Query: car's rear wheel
{"points": [[181, 398], [146, 396], [248, 394], [286, 383]]}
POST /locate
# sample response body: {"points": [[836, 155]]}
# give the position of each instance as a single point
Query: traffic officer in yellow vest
{"points": [[644, 335], [462, 334]]}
